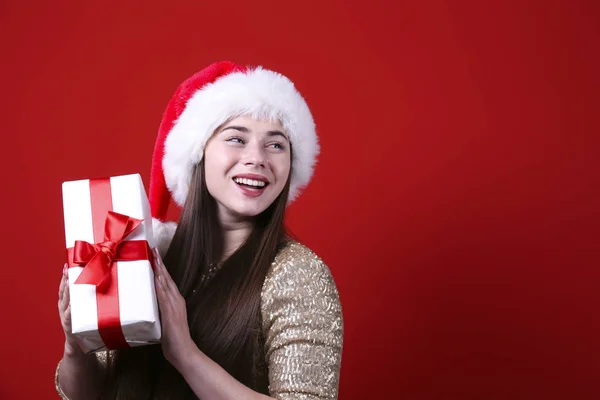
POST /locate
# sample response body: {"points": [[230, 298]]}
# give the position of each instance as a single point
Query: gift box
{"points": [[108, 229]]}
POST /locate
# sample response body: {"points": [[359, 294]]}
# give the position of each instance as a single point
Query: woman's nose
{"points": [[255, 155]]}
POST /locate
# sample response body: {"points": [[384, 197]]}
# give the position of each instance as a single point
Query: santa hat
{"points": [[200, 105]]}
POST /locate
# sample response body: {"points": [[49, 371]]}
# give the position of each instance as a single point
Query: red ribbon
{"points": [[98, 259]]}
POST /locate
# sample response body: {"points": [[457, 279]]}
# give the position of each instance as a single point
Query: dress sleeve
{"points": [[101, 358], [303, 327]]}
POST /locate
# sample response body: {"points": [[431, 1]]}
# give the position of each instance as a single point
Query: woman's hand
{"points": [[64, 311], [206, 378], [176, 339], [79, 376]]}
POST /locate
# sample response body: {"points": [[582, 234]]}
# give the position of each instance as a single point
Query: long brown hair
{"points": [[223, 311]]}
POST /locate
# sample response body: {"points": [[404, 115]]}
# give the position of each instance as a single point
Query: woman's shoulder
{"points": [[297, 268], [295, 257], [293, 251]]}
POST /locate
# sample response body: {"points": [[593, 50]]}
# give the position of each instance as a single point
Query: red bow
{"points": [[98, 258]]}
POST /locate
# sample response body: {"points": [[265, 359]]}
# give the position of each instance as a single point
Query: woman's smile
{"points": [[251, 185]]}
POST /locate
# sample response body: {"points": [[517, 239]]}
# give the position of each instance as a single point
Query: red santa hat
{"points": [[205, 101]]}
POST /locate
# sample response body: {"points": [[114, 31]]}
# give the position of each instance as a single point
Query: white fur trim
{"points": [[258, 93], [163, 233]]}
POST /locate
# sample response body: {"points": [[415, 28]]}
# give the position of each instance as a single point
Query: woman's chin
{"points": [[246, 211]]}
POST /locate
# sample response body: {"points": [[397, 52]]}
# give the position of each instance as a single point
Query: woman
{"points": [[246, 311]]}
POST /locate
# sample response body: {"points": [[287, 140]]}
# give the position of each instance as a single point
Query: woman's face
{"points": [[247, 163]]}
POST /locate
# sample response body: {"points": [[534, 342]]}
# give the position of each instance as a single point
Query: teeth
{"points": [[250, 182]]}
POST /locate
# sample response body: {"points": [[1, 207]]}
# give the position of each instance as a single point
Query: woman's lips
{"points": [[250, 191], [255, 177]]}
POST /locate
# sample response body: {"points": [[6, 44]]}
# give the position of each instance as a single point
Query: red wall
{"points": [[456, 200]]}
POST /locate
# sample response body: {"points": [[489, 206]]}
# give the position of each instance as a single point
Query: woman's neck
{"points": [[235, 232]]}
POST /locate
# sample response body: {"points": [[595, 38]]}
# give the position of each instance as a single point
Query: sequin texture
{"points": [[302, 325]]}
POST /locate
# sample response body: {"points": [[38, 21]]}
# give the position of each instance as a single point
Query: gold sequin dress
{"points": [[302, 324]]}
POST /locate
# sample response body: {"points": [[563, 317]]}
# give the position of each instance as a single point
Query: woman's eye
{"points": [[235, 140], [277, 146]]}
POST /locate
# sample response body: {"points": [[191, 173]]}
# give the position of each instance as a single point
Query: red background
{"points": [[455, 201]]}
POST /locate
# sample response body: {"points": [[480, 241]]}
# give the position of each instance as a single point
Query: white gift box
{"points": [[137, 304]]}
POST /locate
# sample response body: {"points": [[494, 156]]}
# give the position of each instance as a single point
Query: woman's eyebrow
{"points": [[237, 128], [277, 133]]}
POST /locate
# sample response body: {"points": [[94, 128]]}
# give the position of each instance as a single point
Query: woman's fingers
{"points": [[67, 315], [61, 288], [165, 303], [160, 266], [161, 290], [64, 307], [67, 294], [170, 293], [158, 271], [166, 280], [63, 292]]}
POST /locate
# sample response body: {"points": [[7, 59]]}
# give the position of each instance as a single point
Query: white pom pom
{"points": [[163, 233]]}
